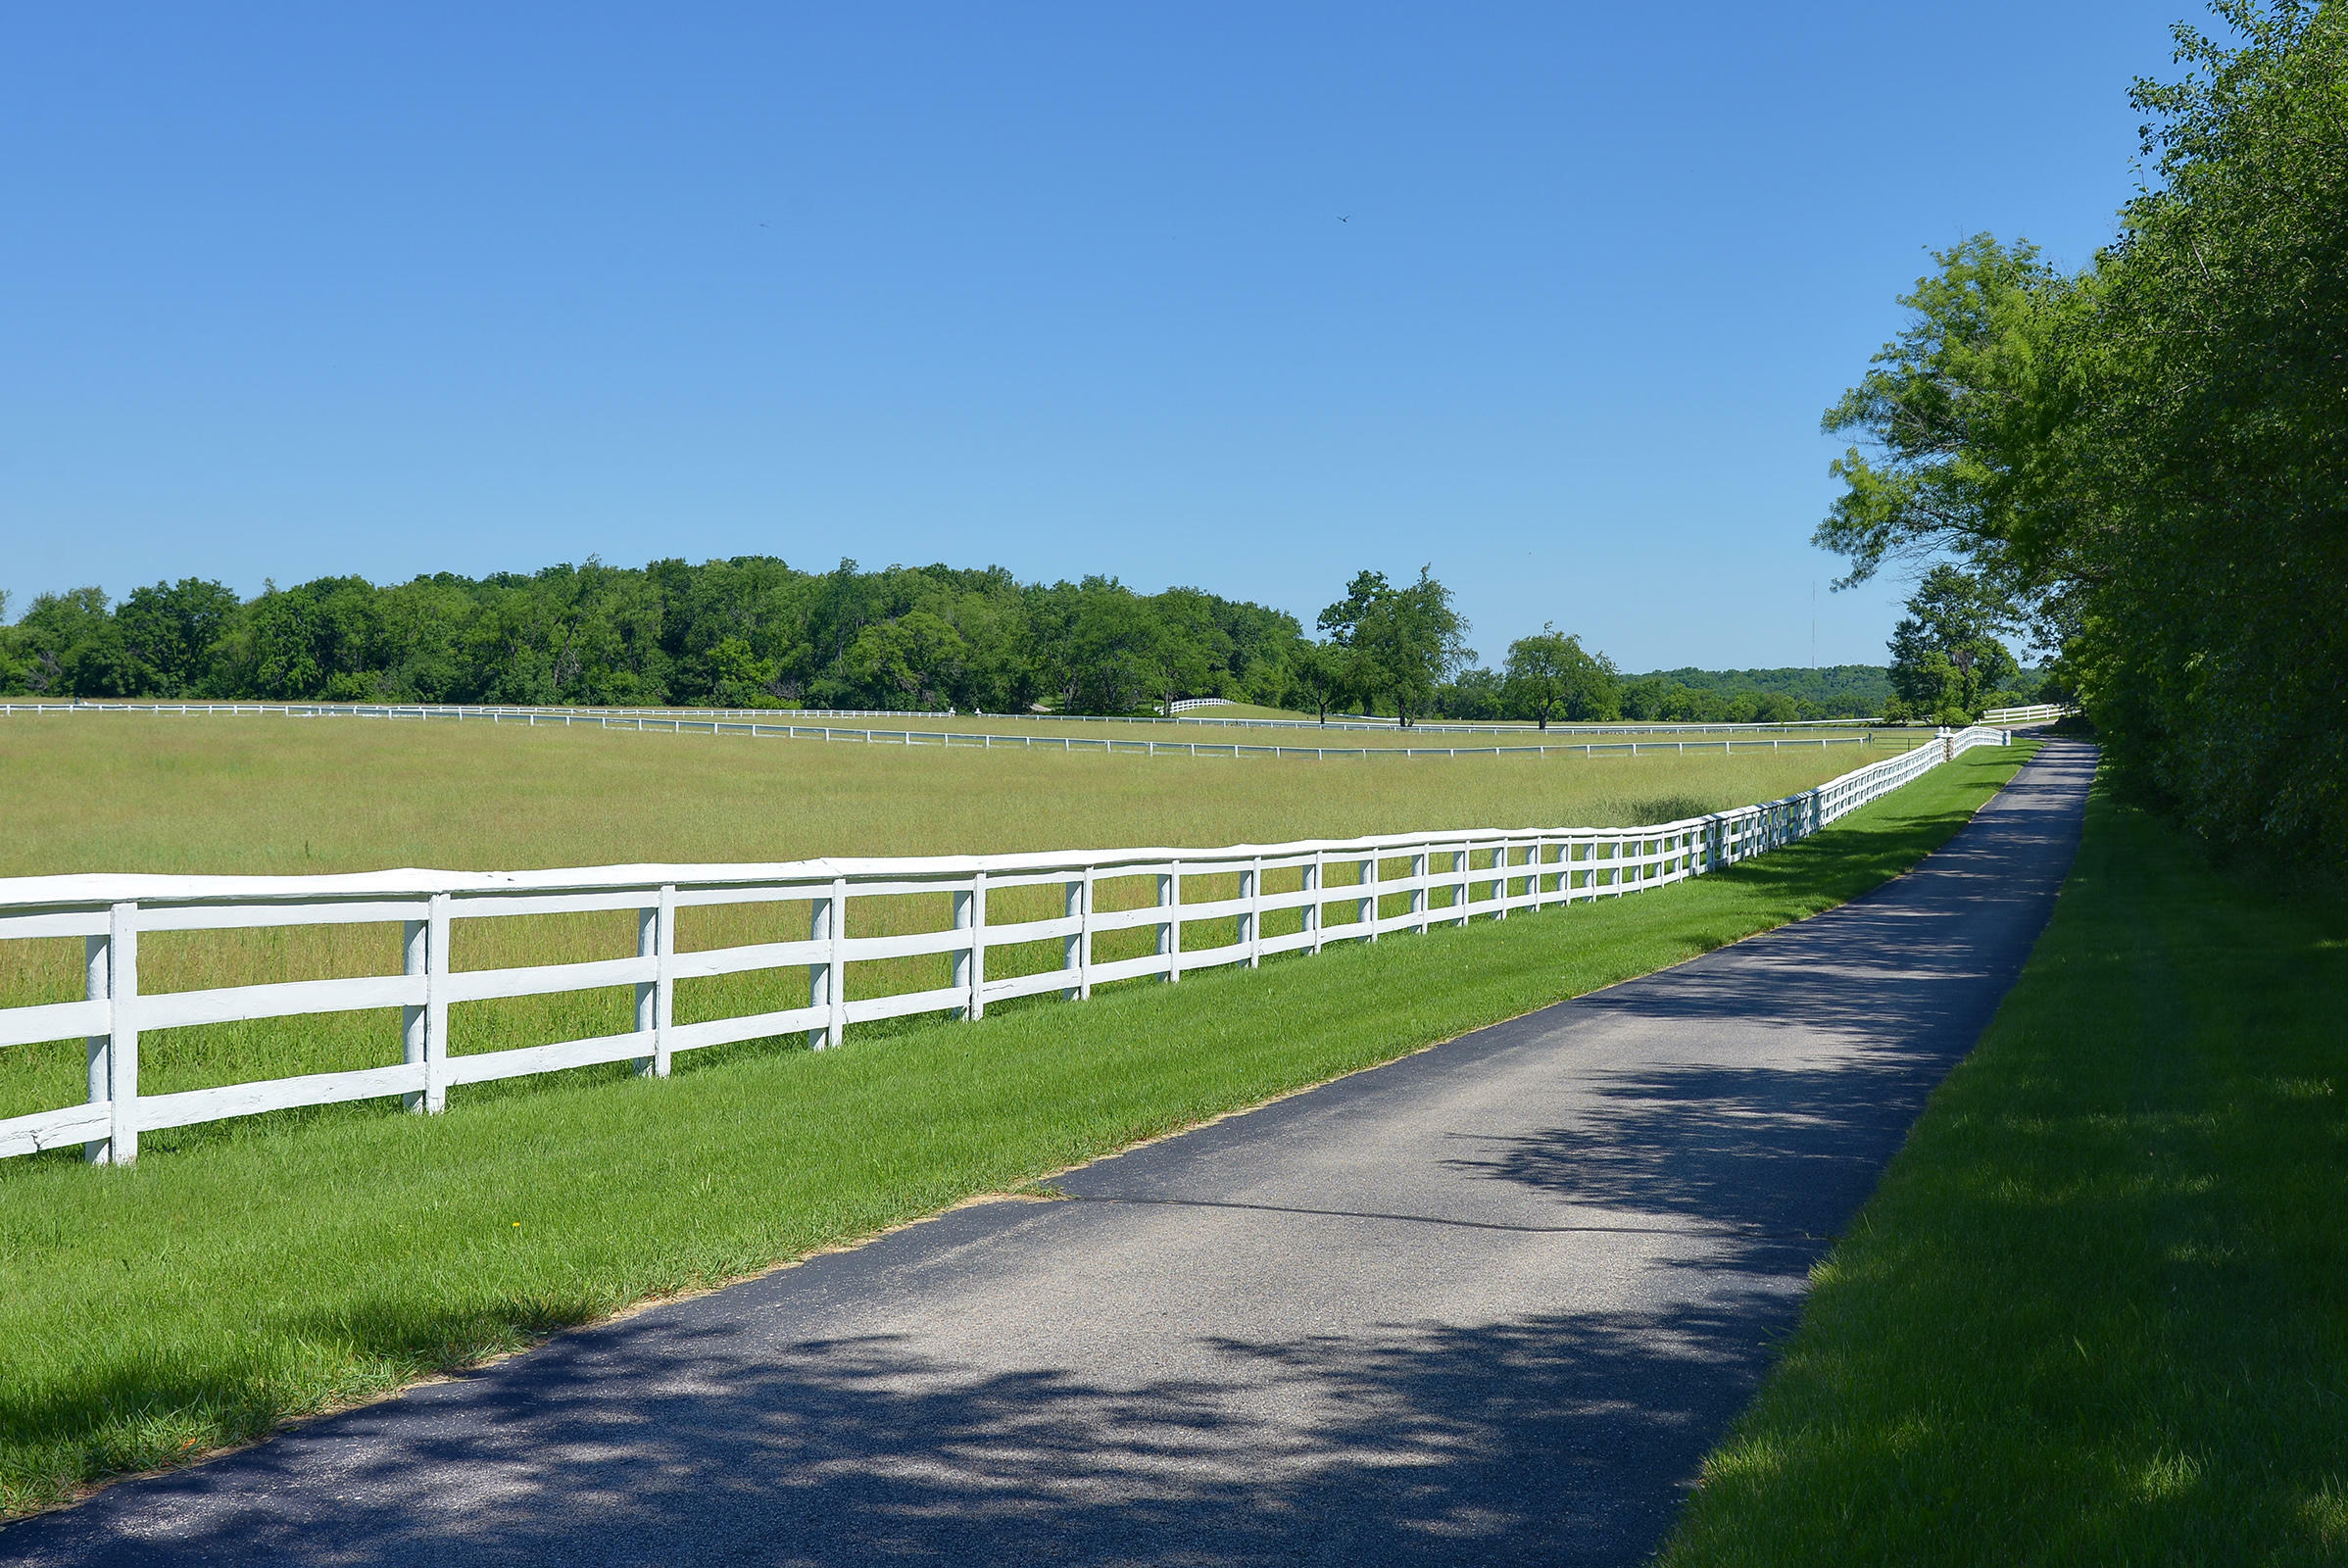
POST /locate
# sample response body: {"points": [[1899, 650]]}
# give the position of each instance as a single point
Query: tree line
{"points": [[2144, 462], [747, 632], [754, 632]]}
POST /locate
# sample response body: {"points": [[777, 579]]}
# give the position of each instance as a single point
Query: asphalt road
{"points": [[1487, 1304]]}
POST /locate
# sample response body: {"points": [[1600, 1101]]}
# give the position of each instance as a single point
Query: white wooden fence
{"points": [[2034, 713], [1497, 872], [770, 718], [1674, 741]]}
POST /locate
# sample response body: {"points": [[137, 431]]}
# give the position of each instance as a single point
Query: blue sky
{"points": [[390, 290]]}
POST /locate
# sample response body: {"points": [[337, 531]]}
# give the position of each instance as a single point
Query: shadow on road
{"points": [[1550, 1440]]}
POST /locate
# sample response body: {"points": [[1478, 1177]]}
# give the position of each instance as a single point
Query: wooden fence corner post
{"points": [[436, 1006], [1253, 919], [963, 956], [1083, 937], [1169, 931], [647, 991], [415, 961], [664, 983], [100, 988], [837, 969], [1312, 906], [121, 1040], [978, 945]]}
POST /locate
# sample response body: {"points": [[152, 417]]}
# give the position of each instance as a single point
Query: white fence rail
{"points": [[1675, 742], [2034, 713], [1497, 872]]}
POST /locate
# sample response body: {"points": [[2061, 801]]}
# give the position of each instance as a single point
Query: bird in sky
{"points": [[1344, 220]]}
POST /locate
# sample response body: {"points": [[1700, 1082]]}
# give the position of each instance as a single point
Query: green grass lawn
{"points": [[280, 1267], [2098, 1311]]}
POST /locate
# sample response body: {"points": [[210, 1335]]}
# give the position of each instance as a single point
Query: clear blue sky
{"points": [[398, 289]]}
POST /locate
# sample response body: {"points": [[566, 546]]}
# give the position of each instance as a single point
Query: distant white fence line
{"points": [[1185, 703], [517, 713], [1495, 872], [1676, 742], [2034, 713]]}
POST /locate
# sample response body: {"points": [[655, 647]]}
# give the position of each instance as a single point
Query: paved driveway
{"points": [[1488, 1304]]}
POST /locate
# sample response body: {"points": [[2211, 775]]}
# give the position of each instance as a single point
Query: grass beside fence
{"points": [[141, 792], [2096, 1312], [193, 1300], [292, 796]]}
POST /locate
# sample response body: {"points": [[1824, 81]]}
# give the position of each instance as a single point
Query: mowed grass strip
{"points": [[197, 1299], [2098, 1311]]}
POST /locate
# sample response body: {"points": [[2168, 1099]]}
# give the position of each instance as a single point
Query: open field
{"points": [[291, 796], [274, 795], [267, 1271], [1205, 733], [2094, 1313]]}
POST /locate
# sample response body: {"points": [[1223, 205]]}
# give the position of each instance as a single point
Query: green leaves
{"points": [[1550, 676], [2151, 455], [1402, 642]]}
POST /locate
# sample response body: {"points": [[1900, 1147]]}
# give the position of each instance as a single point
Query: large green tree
{"points": [[1551, 675], [1946, 655], [1405, 641], [2152, 453]]}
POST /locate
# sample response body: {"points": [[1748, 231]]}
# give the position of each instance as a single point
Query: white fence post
{"points": [[1084, 939], [964, 900], [1312, 906], [978, 945], [656, 999], [414, 948], [819, 975], [1253, 919], [1072, 946], [436, 1005], [101, 1046], [647, 991], [1368, 902], [122, 1044], [1418, 890], [1169, 930], [839, 965]]}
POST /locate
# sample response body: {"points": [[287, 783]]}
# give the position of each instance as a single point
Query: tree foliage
{"points": [[1946, 657], [750, 632], [2150, 455], [1400, 644], [1550, 676]]}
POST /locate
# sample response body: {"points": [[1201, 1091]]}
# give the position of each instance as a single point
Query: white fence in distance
{"points": [[515, 712], [1675, 742], [2033, 713], [1520, 871]]}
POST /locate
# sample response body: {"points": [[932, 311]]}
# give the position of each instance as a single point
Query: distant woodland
{"points": [[754, 633]]}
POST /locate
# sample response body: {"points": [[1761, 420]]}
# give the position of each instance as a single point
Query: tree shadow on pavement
{"points": [[1551, 1439]]}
